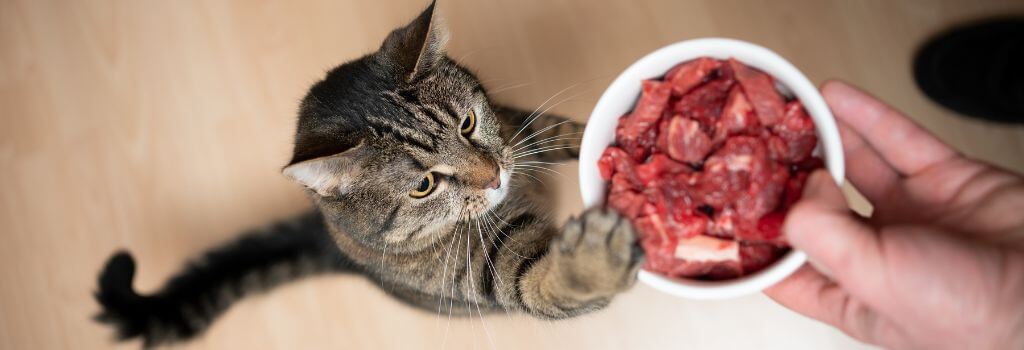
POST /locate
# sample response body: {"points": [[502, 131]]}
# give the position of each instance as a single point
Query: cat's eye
{"points": [[468, 123], [425, 187]]}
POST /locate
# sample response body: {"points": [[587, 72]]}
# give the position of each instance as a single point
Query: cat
{"points": [[421, 184]]}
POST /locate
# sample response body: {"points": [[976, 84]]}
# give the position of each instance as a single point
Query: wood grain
{"points": [[161, 127]]}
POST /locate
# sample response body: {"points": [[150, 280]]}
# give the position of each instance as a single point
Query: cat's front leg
{"points": [[594, 258]]}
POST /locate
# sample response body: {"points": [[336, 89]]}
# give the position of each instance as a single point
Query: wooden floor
{"points": [[161, 126]]}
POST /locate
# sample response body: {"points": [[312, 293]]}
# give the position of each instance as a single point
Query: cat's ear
{"points": [[328, 175], [412, 51]]}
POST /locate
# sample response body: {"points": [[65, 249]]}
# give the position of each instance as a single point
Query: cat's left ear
{"points": [[330, 175], [412, 51]]}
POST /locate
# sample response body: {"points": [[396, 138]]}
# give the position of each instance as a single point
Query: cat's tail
{"points": [[208, 286]]}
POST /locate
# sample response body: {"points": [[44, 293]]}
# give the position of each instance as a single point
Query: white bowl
{"points": [[621, 96]]}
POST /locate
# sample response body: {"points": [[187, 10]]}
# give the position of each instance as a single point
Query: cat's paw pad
{"points": [[597, 254]]}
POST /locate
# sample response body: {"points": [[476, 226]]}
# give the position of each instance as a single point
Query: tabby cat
{"points": [[421, 186]]}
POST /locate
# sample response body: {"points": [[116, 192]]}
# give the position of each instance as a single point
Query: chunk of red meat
{"points": [[769, 227], [678, 191], [724, 223], [637, 146], [686, 141], [713, 270], [725, 270], [751, 152], [729, 171], [658, 165], [809, 164], [737, 117], [661, 142], [744, 153], [778, 149], [686, 226], [659, 250], [685, 76], [705, 102], [613, 160], [797, 130], [657, 202], [765, 192], [706, 257], [651, 209], [628, 203], [622, 182], [653, 227], [760, 90], [794, 189], [717, 185], [653, 100], [756, 256], [636, 133]]}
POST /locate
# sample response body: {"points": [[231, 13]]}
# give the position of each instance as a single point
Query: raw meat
{"points": [[706, 167]]}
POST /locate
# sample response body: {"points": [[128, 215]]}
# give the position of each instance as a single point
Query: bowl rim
{"points": [[621, 96]]}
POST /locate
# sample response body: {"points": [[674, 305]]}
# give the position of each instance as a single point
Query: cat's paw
{"points": [[596, 255]]}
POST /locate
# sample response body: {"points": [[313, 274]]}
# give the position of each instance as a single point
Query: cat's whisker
{"points": [[433, 246], [541, 150], [544, 150], [527, 165], [383, 257], [537, 133], [540, 172], [496, 228], [500, 219], [451, 299], [534, 115], [547, 140], [469, 271], [542, 130], [444, 273], [534, 173], [490, 262], [531, 176], [492, 228], [543, 169], [513, 172], [487, 257], [538, 162], [506, 88]]}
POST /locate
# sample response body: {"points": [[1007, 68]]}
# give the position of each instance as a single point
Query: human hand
{"points": [[940, 262]]}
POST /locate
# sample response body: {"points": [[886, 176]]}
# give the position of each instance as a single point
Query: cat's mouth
{"points": [[496, 195], [479, 205]]}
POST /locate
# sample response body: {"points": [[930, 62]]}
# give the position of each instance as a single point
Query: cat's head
{"points": [[402, 142]]}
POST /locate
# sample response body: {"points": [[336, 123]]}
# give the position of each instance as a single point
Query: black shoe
{"points": [[976, 70]]}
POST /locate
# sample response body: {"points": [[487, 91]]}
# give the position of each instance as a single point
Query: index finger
{"points": [[901, 142]]}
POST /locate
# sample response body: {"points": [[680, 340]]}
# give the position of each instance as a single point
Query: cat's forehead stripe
{"points": [[410, 139], [416, 163], [410, 103], [429, 112]]}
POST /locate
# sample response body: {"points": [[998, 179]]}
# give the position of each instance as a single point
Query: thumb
{"points": [[836, 242]]}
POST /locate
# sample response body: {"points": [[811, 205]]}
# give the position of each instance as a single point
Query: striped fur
{"points": [[187, 303], [366, 135]]}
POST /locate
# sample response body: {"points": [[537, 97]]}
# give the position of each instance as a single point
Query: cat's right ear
{"points": [[412, 51], [329, 175]]}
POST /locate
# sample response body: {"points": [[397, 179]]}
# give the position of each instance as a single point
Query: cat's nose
{"points": [[496, 182]]}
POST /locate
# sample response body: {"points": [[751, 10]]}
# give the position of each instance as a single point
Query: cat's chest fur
{"points": [[451, 246]]}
